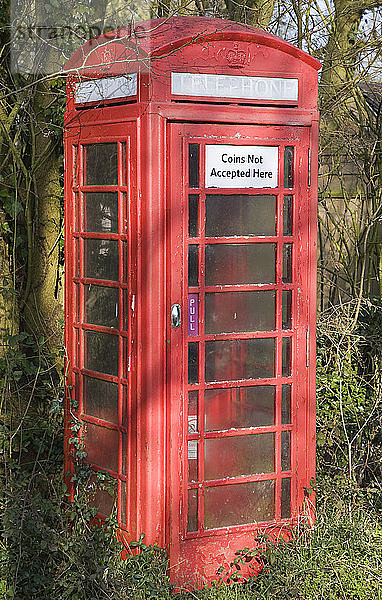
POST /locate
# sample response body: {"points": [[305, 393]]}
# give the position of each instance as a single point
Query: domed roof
{"points": [[157, 37]]}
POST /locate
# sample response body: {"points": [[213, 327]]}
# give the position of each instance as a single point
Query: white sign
{"points": [[241, 166], [106, 88], [192, 450], [235, 86]]}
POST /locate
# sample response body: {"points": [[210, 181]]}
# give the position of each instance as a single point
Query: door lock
{"points": [[175, 315]]}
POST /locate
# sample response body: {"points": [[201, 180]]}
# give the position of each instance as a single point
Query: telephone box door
{"points": [[240, 307]]}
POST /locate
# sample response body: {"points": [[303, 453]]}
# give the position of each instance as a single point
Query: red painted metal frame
{"points": [[75, 144], [200, 554], [156, 127]]}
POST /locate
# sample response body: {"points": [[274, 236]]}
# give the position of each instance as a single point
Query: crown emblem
{"points": [[236, 57], [106, 59]]}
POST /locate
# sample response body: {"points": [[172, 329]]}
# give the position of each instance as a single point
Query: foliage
{"points": [[349, 394], [53, 549]]}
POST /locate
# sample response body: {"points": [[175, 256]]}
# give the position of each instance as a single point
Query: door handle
{"points": [[176, 315]]}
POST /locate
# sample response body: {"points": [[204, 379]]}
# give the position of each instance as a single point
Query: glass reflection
{"points": [[230, 360], [239, 214], [239, 504]]}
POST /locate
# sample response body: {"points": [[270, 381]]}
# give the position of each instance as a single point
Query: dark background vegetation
{"points": [[48, 548]]}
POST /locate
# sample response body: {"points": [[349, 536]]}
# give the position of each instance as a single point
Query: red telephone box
{"points": [[191, 185]]}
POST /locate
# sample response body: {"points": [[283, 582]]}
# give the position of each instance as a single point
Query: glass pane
{"points": [[124, 454], [239, 455], [123, 502], [230, 264], [240, 359], [285, 498], [101, 259], [124, 393], [192, 460], [76, 258], [193, 265], [286, 404], [287, 309], [101, 399], [288, 166], [126, 310], [101, 212], [192, 412], [288, 215], [101, 305], [102, 499], [193, 165], [193, 214], [285, 450], [287, 357], [76, 212], [287, 263], [239, 504], [193, 362], [124, 163], [101, 164], [101, 352], [240, 214], [76, 292], [192, 512], [101, 445], [229, 312], [126, 273], [239, 407]]}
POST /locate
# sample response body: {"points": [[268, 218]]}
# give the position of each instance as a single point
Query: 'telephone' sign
{"points": [[241, 166]]}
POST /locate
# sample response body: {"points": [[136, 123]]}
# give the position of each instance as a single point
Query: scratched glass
{"points": [[286, 357], [285, 498], [193, 215], [230, 360], [101, 212], [101, 399], [101, 305], [123, 501], [192, 449], [123, 163], [101, 446], [236, 312], [193, 165], [102, 499], [286, 404], [233, 264], [288, 166], [239, 504], [288, 215], [285, 450], [124, 454], [239, 407], [192, 512], [101, 259], [287, 309], [101, 164], [239, 455], [101, 352], [193, 412], [287, 263], [240, 214], [193, 265], [193, 362], [76, 212]]}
